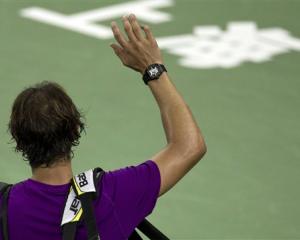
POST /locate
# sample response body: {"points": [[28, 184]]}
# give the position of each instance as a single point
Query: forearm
{"points": [[180, 127], [185, 143]]}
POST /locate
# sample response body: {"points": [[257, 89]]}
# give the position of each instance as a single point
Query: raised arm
{"points": [[185, 144]]}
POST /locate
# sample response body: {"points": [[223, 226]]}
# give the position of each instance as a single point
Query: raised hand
{"points": [[140, 49]]}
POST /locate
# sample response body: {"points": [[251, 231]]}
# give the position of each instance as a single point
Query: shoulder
{"points": [[125, 183], [132, 182], [148, 167], [146, 172]]}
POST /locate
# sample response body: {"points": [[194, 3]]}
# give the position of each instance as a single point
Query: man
{"points": [[45, 125]]}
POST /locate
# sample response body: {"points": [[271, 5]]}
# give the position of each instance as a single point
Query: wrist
{"points": [[162, 79], [145, 66], [153, 72]]}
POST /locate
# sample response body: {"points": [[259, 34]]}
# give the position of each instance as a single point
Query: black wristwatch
{"points": [[153, 72]]}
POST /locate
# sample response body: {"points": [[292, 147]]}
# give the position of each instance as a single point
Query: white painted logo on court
{"points": [[211, 47], [205, 47], [88, 22]]}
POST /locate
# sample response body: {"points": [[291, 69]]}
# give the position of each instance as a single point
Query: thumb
{"points": [[117, 49]]}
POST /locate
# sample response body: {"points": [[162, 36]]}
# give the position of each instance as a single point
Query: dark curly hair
{"points": [[45, 124]]}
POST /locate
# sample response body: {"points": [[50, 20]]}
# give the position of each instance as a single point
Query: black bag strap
{"points": [[4, 191], [86, 200], [88, 207], [69, 231], [89, 216], [3, 187], [150, 231]]}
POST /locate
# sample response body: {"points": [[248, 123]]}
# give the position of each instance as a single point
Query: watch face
{"points": [[153, 72]]}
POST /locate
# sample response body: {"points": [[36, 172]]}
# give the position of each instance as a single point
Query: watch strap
{"points": [[160, 67]]}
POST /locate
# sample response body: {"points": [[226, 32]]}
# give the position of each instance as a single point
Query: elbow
{"points": [[199, 149], [203, 149], [191, 149]]}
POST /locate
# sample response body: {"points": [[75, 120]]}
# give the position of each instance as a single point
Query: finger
{"points": [[148, 33], [118, 35], [117, 49], [135, 26], [120, 52], [128, 29]]}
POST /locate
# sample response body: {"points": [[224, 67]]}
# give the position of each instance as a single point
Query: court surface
{"points": [[247, 186]]}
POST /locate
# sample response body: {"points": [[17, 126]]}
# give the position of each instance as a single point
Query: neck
{"points": [[57, 174]]}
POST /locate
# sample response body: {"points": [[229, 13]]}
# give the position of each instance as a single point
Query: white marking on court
{"points": [[205, 47], [210, 47], [85, 22]]}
